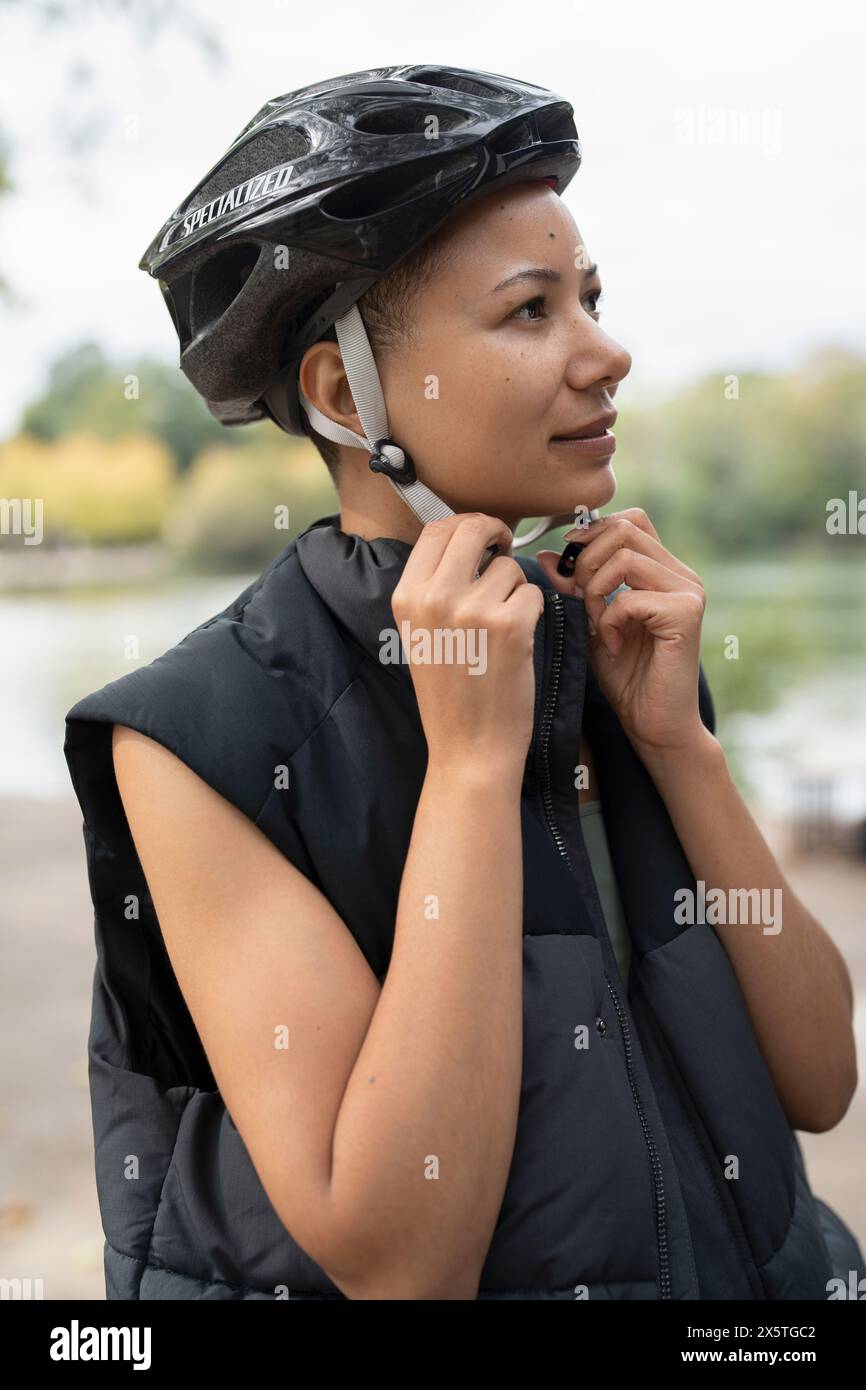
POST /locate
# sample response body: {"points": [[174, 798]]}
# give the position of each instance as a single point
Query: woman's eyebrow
{"points": [[538, 273]]}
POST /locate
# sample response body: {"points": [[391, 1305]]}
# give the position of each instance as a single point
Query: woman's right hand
{"points": [[479, 708]]}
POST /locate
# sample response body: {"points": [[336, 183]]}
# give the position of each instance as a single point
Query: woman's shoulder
{"points": [[264, 641], [242, 690]]}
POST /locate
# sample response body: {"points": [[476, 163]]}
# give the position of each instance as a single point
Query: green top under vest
{"points": [[592, 825]]}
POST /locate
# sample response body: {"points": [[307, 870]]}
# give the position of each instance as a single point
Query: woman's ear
{"points": [[323, 380]]}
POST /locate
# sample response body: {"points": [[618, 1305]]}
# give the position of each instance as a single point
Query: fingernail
{"points": [[591, 624]]}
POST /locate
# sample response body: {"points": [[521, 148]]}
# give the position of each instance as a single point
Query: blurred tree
{"points": [[236, 509], [85, 391], [77, 121], [752, 474], [91, 492]]}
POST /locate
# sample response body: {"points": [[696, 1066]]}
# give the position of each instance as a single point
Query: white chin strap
{"points": [[392, 461]]}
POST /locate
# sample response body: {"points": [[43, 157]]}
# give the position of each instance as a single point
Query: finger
{"points": [[600, 541], [528, 598], [638, 518], [639, 572], [429, 548], [668, 616], [435, 539], [635, 515], [467, 543], [501, 577]]}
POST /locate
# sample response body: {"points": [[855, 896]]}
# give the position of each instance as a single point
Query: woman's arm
{"points": [[383, 1130], [425, 1132], [795, 982]]}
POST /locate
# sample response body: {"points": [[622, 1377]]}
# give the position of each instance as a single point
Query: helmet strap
{"points": [[386, 457]]}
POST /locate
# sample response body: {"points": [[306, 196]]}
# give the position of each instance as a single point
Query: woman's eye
{"points": [[539, 299], [592, 302]]}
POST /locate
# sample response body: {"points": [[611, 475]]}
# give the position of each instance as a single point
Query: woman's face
{"points": [[493, 374]]}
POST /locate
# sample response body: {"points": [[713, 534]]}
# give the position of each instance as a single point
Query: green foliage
{"points": [[751, 474], [87, 392], [237, 508], [92, 491]]}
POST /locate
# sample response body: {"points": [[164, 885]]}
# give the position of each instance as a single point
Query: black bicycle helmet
{"points": [[326, 188]]}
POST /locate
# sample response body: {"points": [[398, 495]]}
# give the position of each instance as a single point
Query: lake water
{"points": [[59, 646], [806, 625]]}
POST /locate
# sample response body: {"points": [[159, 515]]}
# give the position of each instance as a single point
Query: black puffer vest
{"points": [[617, 1186]]}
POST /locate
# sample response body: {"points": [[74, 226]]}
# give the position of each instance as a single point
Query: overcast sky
{"points": [[721, 190]]}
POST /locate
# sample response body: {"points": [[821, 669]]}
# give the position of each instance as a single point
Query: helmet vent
{"points": [[410, 120], [515, 137], [392, 188], [278, 145], [453, 82], [556, 123], [219, 281]]}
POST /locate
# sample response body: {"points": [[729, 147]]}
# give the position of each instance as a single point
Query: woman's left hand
{"points": [[645, 647]]}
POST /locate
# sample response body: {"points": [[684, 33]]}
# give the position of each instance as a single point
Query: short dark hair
{"points": [[386, 309]]}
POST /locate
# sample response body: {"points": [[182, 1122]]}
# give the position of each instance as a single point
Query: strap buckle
{"points": [[380, 463]]}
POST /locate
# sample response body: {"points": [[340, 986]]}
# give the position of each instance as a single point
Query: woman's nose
{"points": [[597, 359], [620, 364]]}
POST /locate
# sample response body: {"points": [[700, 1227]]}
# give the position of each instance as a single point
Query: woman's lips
{"points": [[599, 446]]}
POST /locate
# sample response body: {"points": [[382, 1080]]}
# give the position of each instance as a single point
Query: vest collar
{"points": [[355, 579]]}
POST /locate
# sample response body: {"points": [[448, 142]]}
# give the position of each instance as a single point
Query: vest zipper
{"points": [[661, 1221], [555, 600]]}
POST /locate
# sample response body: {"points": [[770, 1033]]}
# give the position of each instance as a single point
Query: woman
{"points": [[369, 1021]]}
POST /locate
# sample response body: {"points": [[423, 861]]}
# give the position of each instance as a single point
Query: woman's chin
{"points": [[589, 490]]}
